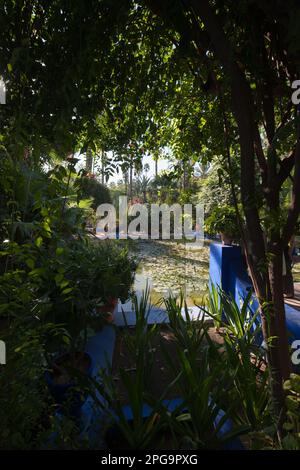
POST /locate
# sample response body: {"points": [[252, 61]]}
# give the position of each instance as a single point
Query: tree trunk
{"points": [[103, 167], [264, 262], [266, 276], [89, 161], [265, 267], [125, 174], [130, 181]]}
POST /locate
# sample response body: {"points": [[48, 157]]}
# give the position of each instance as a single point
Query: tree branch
{"points": [[286, 166], [294, 209], [260, 155], [243, 109]]}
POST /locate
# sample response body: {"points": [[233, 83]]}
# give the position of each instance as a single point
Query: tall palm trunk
{"points": [[89, 161]]}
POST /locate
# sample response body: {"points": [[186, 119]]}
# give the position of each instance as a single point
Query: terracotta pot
{"points": [[226, 238], [108, 309]]}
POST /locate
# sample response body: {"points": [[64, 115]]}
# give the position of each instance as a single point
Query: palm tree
{"points": [[141, 186]]}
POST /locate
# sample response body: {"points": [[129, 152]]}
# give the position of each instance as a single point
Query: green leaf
{"points": [[68, 290], [39, 242], [30, 263]]}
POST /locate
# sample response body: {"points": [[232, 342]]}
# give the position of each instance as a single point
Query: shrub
{"points": [[91, 188], [222, 220]]}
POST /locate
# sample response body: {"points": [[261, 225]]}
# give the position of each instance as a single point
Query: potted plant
{"points": [[222, 220], [69, 363], [113, 275], [64, 375], [72, 305], [87, 280]]}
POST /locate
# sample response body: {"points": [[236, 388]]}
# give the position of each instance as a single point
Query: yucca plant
{"points": [[140, 345], [138, 423], [196, 422], [189, 334], [247, 377], [239, 319], [214, 306], [242, 361]]}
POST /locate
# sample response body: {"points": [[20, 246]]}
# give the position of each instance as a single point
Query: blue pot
{"points": [[67, 396]]}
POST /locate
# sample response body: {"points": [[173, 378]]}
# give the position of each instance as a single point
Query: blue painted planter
{"points": [[227, 269], [66, 395]]}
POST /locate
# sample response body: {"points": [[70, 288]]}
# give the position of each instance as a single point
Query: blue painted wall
{"points": [[227, 269]]}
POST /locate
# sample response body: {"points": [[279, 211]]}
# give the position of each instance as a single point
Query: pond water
{"points": [[296, 272], [171, 267]]}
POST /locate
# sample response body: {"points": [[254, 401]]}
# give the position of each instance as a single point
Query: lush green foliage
{"points": [[201, 80], [214, 189], [91, 188], [52, 279], [292, 425], [244, 362], [222, 220]]}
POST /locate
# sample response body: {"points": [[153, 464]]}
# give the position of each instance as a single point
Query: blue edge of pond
{"points": [[227, 269]]}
